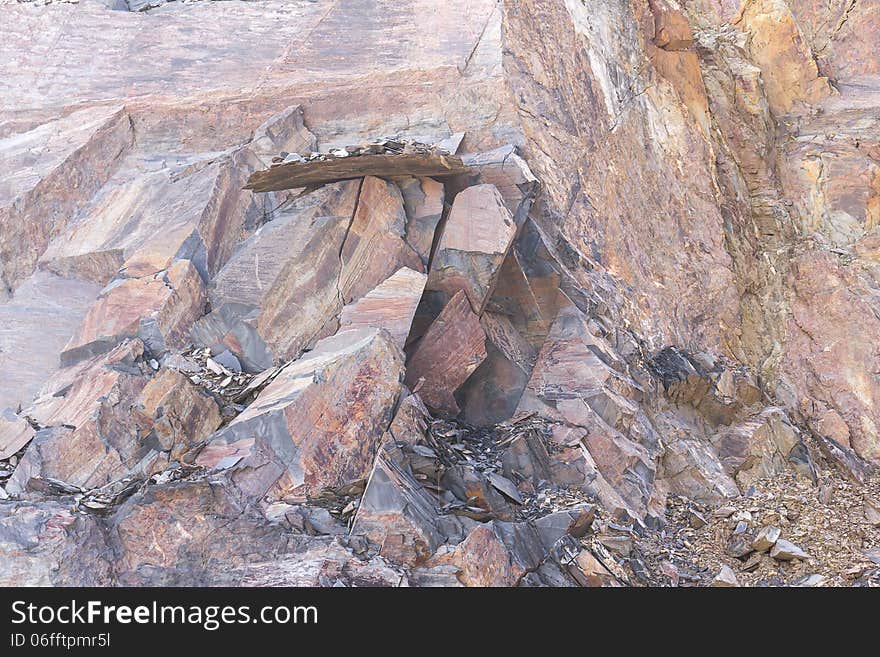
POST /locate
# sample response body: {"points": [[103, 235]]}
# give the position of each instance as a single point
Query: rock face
{"points": [[492, 296]]}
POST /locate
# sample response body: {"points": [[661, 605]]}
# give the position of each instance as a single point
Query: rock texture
{"points": [[500, 293]]}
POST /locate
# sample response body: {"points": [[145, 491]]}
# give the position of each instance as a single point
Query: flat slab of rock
{"points": [[302, 174], [787, 551], [449, 352], [317, 425], [478, 234], [15, 433], [391, 305], [725, 578], [423, 201], [35, 324]]}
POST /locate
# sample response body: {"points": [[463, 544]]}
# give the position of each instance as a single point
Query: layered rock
{"points": [[318, 424]]}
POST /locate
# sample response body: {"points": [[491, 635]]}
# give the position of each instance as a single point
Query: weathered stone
{"points": [[158, 309], [35, 324], [50, 171], [725, 578], [476, 238], [423, 201], [504, 168], [317, 425], [493, 554], [872, 512], [766, 538], [396, 512], [111, 422], [391, 305], [761, 446], [15, 433], [280, 289], [448, 353], [45, 544], [786, 551]]}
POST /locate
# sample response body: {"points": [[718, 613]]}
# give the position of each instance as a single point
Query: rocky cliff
{"points": [[482, 293]]}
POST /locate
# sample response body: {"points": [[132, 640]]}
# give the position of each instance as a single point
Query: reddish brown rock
{"points": [[475, 241], [173, 412], [279, 291], [158, 309], [448, 353], [318, 424], [375, 245], [107, 420], [504, 168], [777, 46], [391, 305], [53, 170], [672, 30], [494, 554], [760, 447]]}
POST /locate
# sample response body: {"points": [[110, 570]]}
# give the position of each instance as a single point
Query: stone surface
{"points": [[15, 433], [159, 309], [476, 238], [391, 305], [786, 551], [725, 578], [448, 353], [318, 424], [766, 538]]}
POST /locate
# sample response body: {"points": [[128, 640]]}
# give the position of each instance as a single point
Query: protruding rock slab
{"points": [[475, 241], [504, 168], [159, 310], [391, 305], [317, 425], [449, 352], [375, 245], [15, 433], [319, 172]]}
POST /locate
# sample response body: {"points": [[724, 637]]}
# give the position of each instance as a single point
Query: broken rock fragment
{"points": [[391, 305], [15, 433], [317, 425], [475, 241], [158, 309], [448, 353]]}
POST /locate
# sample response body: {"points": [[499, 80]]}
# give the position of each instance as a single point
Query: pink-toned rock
{"points": [[494, 554], [375, 245], [318, 424], [396, 512], [475, 241], [50, 172], [35, 324], [173, 412], [760, 447], [158, 309], [391, 305], [106, 420], [279, 291], [449, 352]]}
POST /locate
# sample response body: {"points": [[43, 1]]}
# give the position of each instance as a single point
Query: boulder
{"points": [[318, 424]]}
